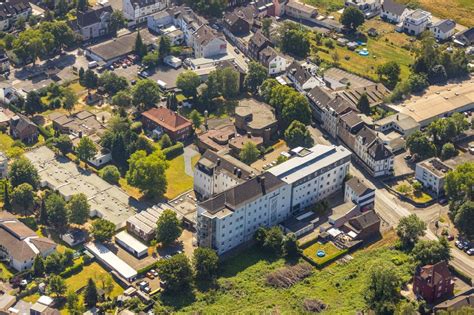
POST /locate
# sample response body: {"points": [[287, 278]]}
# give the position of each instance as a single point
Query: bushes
{"points": [[72, 270], [174, 150], [45, 132]]}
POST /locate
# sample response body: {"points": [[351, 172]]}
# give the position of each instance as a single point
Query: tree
{"points": [[409, 229], [352, 18], [23, 196], [122, 99], [56, 209], [6, 196], [78, 209], [140, 48], [168, 228], [206, 263], [86, 149], [165, 141], [389, 73], [448, 151], [297, 135], [147, 172], [112, 83], [417, 187], [294, 39], [164, 48], [266, 25], [417, 83], [72, 303], [295, 107], [363, 104], [196, 118], [459, 186], [420, 145], [69, 99], [188, 81], [229, 82], [464, 219], [274, 239], [145, 94], [29, 45], [62, 34], [260, 236], [437, 75], [110, 174], [249, 153], [57, 285], [431, 252], [267, 87], [23, 171], [290, 246], [116, 22], [106, 283], [38, 266], [90, 79], [82, 5], [151, 59], [256, 74], [90, 294], [383, 290], [102, 230], [176, 272], [43, 217], [64, 144], [33, 103]]}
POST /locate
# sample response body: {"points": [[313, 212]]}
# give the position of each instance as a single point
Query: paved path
{"points": [[188, 154]]}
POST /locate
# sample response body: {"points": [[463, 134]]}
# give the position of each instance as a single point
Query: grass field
{"points": [[326, 6], [386, 47], [178, 181], [329, 248], [242, 287], [5, 273], [459, 10]]}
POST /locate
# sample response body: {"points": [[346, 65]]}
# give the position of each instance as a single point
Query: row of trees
{"points": [[273, 240]]}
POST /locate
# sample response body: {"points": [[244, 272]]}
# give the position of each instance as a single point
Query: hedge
{"points": [[461, 275], [76, 268], [147, 268], [45, 132], [174, 150], [329, 259]]}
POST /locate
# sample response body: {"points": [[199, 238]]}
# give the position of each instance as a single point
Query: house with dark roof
{"points": [[393, 12], [365, 226], [465, 38], [257, 43], [301, 76], [208, 43], [334, 109], [92, 23], [274, 61], [236, 23], [443, 29], [19, 245], [376, 94], [460, 301], [318, 98], [138, 10], [360, 193], [163, 120], [433, 282], [23, 129], [11, 10]]}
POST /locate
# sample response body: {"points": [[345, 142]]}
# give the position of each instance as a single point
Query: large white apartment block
{"points": [[232, 217], [139, 10], [313, 174], [416, 22], [431, 173], [215, 173]]}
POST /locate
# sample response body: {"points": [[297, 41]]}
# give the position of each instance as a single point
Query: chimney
{"points": [[239, 173], [249, 135], [262, 183], [235, 170], [218, 161], [80, 134], [397, 116]]}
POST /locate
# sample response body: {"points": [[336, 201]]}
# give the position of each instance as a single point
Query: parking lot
{"points": [[165, 74]]}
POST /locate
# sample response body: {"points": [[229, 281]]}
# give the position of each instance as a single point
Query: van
{"points": [[161, 84], [92, 64]]}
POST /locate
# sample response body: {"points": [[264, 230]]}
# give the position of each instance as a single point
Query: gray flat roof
{"points": [[111, 260]]}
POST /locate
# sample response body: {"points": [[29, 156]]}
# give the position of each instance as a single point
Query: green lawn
{"points": [[94, 271], [242, 287], [329, 248], [5, 272], [326, 6], [178, 181]]}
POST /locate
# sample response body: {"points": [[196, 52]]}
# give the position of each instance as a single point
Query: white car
{"points": [[471, 148], [470, 251]]}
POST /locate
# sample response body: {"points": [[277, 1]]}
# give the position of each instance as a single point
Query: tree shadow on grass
{"points": [[178, 300], [244, 259]]}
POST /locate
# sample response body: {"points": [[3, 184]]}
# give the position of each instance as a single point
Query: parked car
{"points": [[470, 251], [471, 148], [450, 237], [407, 157], [237, 51], [459, 244], [154, 272], [167, 256], [150, 275], [443, 201], [143, 284]]}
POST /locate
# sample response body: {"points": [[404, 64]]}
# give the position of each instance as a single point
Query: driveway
{"points": [[189, 153]]}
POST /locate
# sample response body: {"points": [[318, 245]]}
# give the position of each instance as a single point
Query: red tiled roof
{"points": [[167, 118]]}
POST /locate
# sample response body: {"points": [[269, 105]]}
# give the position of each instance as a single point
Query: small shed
{"points": [[352, 45], [342, 41]]}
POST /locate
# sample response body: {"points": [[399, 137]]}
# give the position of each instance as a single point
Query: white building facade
{"points": [[416, 22], [138, 10], [431, 174]]}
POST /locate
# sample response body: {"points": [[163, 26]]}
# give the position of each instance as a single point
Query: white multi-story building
{"points": [[208, 43], [139, 10], [431, 173], [215, 173], [232, 217], [273, 61], [416, 22], [3, 165], [443, 29], [331, 113], [359, 193], [313, 174], [370, 8], [393, 11], [302, 76]]}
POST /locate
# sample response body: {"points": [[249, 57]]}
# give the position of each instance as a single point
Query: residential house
{"points": [[318, 98], [23, 129], [256, 118], [462, 300], [399, 122], [11, 10], [416, 22], [394, 12], [3, 165], [433, 282], [301, 11], [92, 23], [364, 226], [4, 62], [138, 10], [188, 22], [431, 173], [465, 38], [370, 8], [358, 192], [373, 153], [332, 112], [161, 19], [264, 7], [274, 61], [8, 94], [257, 43], [208, 43], [348, 126], [163, 120], [443, 29], [376, 94], [44, 306], [302, 77], [19, 245], [236, 23]]}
